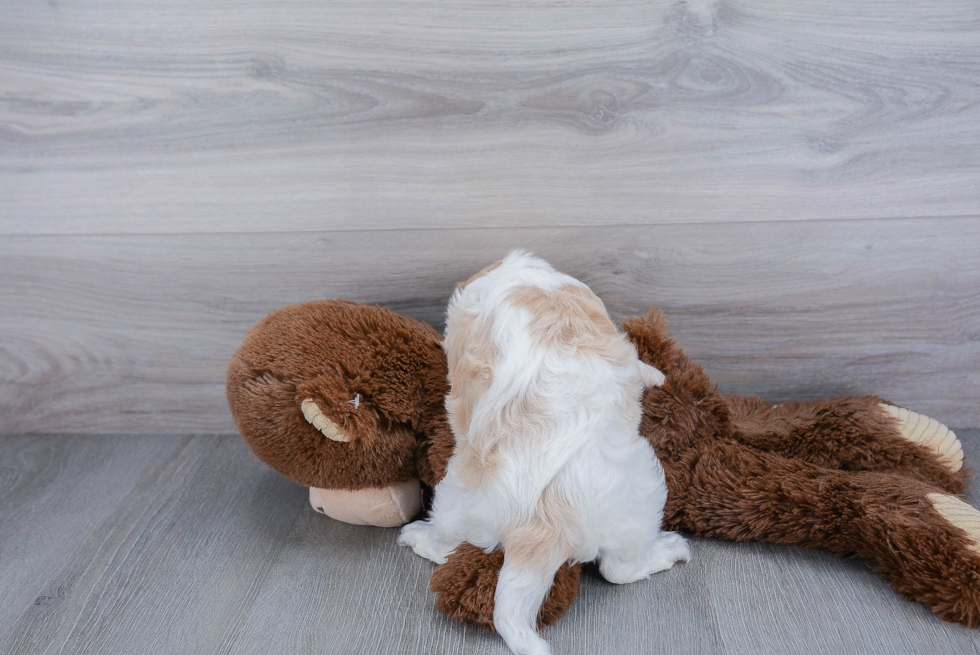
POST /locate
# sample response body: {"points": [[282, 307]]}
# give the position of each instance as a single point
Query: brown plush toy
{"points": [[348, 400]]}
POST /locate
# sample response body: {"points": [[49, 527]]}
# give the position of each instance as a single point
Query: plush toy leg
{"points": [[853, 434], [924, 542]]}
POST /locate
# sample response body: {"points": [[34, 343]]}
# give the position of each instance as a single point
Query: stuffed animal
{"points": [[347, 399]]}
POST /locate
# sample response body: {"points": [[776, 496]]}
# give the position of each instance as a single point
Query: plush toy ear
{"points": [[315, 415], [318, 444], [467, 582], [337, 407]]}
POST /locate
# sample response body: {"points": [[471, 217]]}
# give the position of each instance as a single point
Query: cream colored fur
{"points": [[549, 464]]}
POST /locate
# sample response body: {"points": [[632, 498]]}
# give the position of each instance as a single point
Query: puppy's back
{"points": [[536, 366], [545, 405]]}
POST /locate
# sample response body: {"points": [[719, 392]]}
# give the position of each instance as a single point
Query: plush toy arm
{"points": [[466, 584], [854, 434], [924, 542]]}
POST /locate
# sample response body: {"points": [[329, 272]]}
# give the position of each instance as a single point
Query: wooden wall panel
{"points": [[131, 334], [798, 184], [301, 115]]}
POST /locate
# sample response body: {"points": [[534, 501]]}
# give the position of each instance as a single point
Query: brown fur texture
{"points": [[831, 474], [466, 589], [331, 351]]}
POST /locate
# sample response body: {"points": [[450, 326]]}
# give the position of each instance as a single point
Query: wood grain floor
{"points": [[161, 545]]}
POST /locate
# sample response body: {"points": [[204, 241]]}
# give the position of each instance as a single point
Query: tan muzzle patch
{"points": [[386, 507]]}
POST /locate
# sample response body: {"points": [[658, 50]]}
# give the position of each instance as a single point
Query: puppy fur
{"points": [[549, 463]]}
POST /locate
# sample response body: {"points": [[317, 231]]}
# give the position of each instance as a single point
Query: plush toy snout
{"points": [[387, 507]]}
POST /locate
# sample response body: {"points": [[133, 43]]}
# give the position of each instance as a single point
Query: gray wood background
{"points": [[798, 184]]}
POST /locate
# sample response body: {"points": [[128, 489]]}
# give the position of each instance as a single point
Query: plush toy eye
{"points": [[316, 417]]}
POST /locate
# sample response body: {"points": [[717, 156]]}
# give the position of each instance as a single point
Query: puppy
{"points": [[549, 463]]}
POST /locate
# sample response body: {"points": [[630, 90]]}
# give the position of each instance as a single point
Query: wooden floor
{"points": [[146, 544]]}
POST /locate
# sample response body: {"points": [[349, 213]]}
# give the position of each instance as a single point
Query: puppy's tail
{"points": [[525, 578]]}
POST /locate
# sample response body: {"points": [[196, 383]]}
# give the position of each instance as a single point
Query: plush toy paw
{"points": [[313, 414], [930, 433], [927, 546], [955, 592], [465, 586], [961, 515]]}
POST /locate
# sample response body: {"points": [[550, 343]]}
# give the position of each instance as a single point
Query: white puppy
{"points": [[549, 463]]}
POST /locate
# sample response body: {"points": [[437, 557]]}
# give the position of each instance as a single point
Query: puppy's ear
{"points": [[478, 275]]}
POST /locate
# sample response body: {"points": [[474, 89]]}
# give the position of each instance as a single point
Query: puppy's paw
{"points": [[662, 554], [618, 571], [652, 377], [672, 548], [420, 536], [413, 533]]}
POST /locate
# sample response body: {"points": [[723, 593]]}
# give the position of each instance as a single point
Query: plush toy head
{"points": [[338, 396]]}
